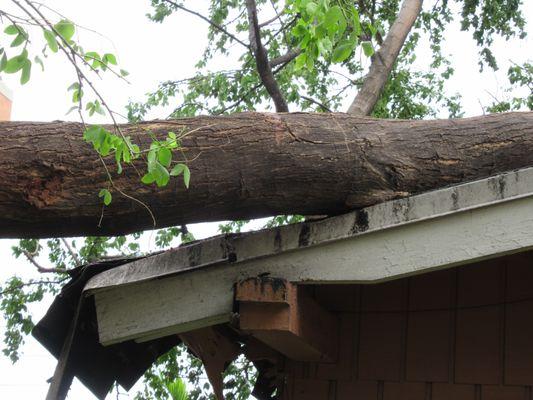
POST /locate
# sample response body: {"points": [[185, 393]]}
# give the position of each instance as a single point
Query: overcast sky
{"points": [[153, 53]]}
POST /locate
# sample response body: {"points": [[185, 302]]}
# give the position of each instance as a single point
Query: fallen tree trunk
{"points": [[246, 166]]}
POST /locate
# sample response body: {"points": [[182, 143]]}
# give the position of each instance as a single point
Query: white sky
{"points": [[153, 53]]}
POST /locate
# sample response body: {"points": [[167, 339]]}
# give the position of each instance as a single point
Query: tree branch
{"points": [[31, 283], [316, 102], [210, 22], [40, 268], [290, 55], [384, 59], [261, 59]]}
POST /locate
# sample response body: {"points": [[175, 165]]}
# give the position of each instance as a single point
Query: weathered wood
{"points": [[216, 352], [63, 376], [248, 165], [393, 240], [286, 318]]}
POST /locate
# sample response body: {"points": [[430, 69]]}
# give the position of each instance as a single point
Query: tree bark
{"points": [[247, 166], [384, 59]]}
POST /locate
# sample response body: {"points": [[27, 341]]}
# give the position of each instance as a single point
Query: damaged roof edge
{"points": [[252, 245]]}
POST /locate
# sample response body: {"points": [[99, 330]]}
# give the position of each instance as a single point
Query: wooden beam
{"points": [[63, 375], [284, 316], [215, 350]]}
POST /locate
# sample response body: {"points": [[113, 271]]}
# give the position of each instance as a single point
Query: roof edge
{"points": [[268, 242]]}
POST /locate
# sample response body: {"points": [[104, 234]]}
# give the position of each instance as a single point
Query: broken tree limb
{"points": [[384, 59], [246, 166]]}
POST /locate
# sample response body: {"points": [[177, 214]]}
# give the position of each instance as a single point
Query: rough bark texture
{"points": [[248, 165], [384, 59]]}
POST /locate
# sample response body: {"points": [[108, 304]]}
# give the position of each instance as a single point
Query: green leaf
{"points": [[94, 134], [73, 108], [178, 169], [51, 40], [356, 22], [38, 60], [21, 38], [300, 61], [123, 72], [106, 194], [16, 63], [311, 8], [110, 59], [148, 178], [66, 29], [12, 30], [26, 72], [94, 58], [177, 390], [342, 51], [74, 86], [161, 175], [368, 49], [152, 155], [334, 21], [3, 62], [182, 169], [77, 95], [186, 176], [164, 156]]}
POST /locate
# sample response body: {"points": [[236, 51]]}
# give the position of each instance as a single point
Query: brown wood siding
{"points": [[464, 333]]}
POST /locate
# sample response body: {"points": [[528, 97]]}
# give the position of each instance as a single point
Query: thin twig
{"points": [[71, 252], [210, 22]]}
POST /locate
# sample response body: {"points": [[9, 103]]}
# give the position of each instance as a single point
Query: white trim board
{"points": [[154, 297]]}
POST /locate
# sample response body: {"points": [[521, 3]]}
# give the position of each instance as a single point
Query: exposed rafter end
{"points": [[285, 317]]}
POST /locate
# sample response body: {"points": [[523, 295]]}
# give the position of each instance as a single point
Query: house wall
{"points": [[463, 333], [5, 102]]}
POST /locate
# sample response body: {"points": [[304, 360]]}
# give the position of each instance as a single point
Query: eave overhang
{"points": [[192, 286]]}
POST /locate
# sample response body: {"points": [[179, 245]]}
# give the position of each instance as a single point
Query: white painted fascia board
{"points": [[237, 249], [194, 299]]}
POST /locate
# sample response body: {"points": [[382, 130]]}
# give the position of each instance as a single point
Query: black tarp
{"points": [[96, 366]]}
